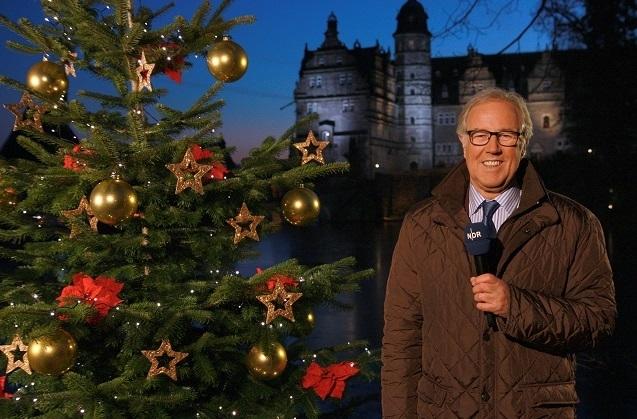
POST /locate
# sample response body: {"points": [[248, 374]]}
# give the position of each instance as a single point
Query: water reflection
{"points": [[370, 244]]}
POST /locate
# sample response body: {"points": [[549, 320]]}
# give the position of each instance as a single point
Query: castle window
{"points": [[321, 60], [546, 85], [341, 79], [412, 120], [412, 92], [412, 76], [312, 107], [411, 43], [348, 105], [312, 81], [325, 135], [546, 121], [446, 118], [349, 79], [445, 92], [319, 80], [339, 60], [413, 139]]}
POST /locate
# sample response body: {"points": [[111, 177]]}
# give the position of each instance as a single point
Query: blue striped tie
{"points": [[488, 209]]}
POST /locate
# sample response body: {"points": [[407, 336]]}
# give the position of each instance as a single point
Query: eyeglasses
{"points": [[481, 137]]}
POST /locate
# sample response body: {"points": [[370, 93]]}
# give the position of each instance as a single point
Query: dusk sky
{"points": [[275, 45]]}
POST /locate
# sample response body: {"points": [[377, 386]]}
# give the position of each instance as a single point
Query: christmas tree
{"points": [[118, 295]]}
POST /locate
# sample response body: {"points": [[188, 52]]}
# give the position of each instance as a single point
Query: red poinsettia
{"points": [[287, 281], [174, 72], [100, 293], [4, 394], [218, 171], [329, 381], [72, 161], [173, 65], [199, 153]]}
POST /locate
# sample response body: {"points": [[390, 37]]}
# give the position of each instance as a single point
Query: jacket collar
{"points": [[451, 192]]}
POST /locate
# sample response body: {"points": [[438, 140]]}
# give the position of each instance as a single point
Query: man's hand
{"points": [[491, 294]]}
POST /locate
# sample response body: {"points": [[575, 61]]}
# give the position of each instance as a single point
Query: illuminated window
{"points": [[348, 105]]}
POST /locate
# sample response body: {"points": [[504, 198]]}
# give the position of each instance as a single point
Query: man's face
{"points": [[491, 166]]}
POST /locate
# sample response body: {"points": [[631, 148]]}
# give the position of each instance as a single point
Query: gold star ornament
{"points": [[280, 295], [69, 67], [143, 72], [12, 363], [189, 173], [311, 149], [165, 349], [84, 207], [245, 224], [27, 113]]}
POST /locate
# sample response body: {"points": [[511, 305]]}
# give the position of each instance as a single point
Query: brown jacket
{"points": [[438, 362]]}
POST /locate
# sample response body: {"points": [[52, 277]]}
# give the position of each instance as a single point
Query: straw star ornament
{"points": [[311, 149], [69, 67], [143, 71], [83, 207], [189, 173], [245, 224], [165, 349], [279, 294], [10, 351], [27, 113]]}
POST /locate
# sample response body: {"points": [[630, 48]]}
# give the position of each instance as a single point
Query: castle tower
{"points": [[413, 86]]}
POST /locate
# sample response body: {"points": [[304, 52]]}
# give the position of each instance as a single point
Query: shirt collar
{"points": [[509, 200]]}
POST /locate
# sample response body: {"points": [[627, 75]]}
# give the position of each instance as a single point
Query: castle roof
{"points": [[412, 18]]}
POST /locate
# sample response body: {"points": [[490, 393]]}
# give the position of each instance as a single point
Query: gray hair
{"points": [[495, 93]]}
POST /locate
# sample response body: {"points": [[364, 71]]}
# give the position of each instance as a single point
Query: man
{"points": [[552, 292]]}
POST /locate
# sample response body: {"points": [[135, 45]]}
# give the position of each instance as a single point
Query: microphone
{"points": [[477, 240]]}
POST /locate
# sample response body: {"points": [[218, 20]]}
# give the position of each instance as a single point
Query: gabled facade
{"points": [[388, 114]]}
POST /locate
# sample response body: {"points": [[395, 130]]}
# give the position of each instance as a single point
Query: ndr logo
{"points": [[472, 235]]}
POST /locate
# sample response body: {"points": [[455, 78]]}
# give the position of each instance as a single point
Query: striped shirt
{"points": [[509, 200]]}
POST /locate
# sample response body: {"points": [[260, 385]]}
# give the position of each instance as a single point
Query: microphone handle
{"points": [[482, 267]]}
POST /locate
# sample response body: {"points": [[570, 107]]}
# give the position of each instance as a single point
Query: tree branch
{"points": [[531, 23]]}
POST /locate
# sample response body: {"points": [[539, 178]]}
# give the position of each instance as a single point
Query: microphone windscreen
{"points": [[476, 239]]}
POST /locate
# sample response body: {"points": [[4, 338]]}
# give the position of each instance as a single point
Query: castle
{"points": [[388, 114]]}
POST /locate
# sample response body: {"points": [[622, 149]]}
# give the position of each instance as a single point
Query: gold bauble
{"points": [[48, 79], [300, 206], [267, 362], [227, 61], [113, 201], [52, 354]]}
